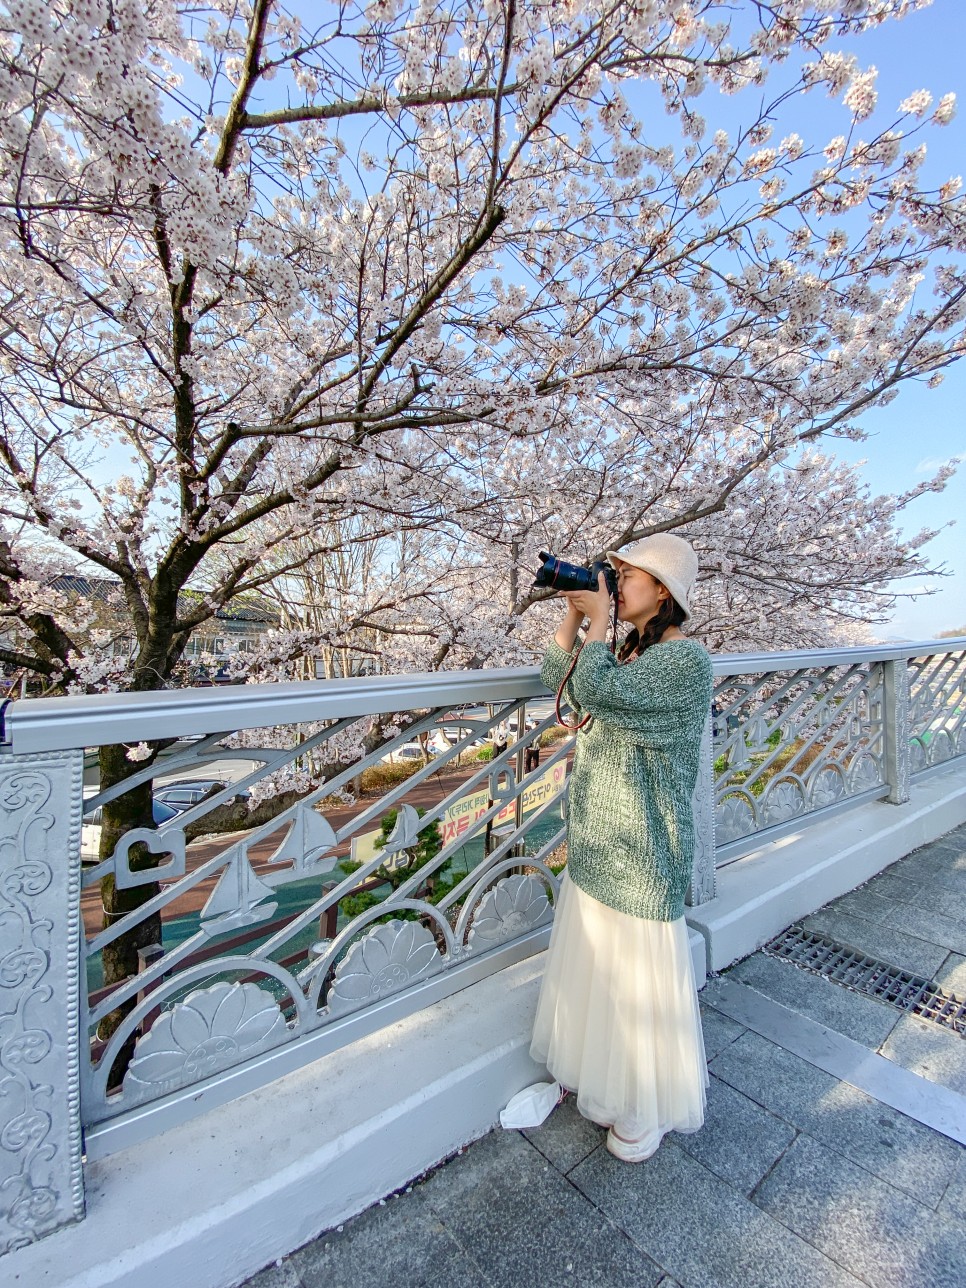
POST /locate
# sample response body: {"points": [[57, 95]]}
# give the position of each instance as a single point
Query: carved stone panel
{"points": [[41, 1183]]}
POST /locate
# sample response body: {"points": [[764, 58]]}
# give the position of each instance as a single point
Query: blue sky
{"points": [[922, 427]]}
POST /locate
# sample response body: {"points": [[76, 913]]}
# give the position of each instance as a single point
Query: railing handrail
{"points": [[802, 659], [86, 720], [95, 719]]}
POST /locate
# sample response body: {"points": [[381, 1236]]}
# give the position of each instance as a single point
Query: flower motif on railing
{"points": [[212, 1029], [514, 905], [734, 819], [920, 707], [387, 959], [783, 800], [827, 788], [941, 747], [864, 772]]}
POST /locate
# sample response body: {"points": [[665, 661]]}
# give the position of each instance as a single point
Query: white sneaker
{"points": [[633, 1151]]}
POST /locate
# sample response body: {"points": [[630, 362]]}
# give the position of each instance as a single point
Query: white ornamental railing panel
{"points": [[937, 709], [788, 744]]}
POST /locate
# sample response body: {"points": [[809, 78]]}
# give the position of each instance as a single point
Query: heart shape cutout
{"points": [[155, 842]]}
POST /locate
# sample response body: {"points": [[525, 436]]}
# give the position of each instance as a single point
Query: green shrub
{"points": [[437, 884], [380, 777], [354, 904], [552, 735]]}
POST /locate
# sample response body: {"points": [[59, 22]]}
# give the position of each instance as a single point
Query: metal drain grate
{"points": [[872, 978]]}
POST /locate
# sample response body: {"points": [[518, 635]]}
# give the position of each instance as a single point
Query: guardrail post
{"points": [[701, 888], [896, 730], [41, 1180]]}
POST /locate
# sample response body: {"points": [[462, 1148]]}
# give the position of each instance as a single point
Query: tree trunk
{"points": [[120, 958], [133, 809]]}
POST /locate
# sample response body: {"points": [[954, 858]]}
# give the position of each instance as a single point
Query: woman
{"points": [[617, 1020]]}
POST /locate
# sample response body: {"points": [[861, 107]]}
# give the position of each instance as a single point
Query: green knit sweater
{"points": [[630, 830]]}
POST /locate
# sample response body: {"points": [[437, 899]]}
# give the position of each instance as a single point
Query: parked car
{"points": [[455, 733], [409, 752], [189, 791], [91, 828]]}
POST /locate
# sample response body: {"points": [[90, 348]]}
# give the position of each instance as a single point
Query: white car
{"points": [[409, 753], [456, 733], [91, 829]]}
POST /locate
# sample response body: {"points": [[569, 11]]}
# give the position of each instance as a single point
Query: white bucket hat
{"points": [[668, 558]]}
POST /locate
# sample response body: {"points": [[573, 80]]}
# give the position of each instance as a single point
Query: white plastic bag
{"points": [[531, 1106]]}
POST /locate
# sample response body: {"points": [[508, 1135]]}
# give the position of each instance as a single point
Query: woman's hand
{"points": [[592, 604], [566, 634]]}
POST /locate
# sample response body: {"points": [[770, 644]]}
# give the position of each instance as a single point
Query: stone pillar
{"points": [[895, 715], [41, 1182], [701, 888]]}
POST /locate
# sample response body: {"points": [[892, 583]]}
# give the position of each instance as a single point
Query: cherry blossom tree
{"points": [[425, 265], [435, 268]]}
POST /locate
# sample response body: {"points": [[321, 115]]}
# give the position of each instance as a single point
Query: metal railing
{"points": [[285, 940]]}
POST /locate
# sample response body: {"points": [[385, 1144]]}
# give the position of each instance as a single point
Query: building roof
{"points": [[107, 590]]}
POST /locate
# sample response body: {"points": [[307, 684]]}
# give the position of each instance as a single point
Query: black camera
{"points": [[555, 574]]}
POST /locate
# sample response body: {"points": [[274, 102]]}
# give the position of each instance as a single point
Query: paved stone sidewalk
{"points": [[796, 1180]]}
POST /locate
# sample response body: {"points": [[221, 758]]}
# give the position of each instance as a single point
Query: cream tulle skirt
{"points": [[618, 1020]]}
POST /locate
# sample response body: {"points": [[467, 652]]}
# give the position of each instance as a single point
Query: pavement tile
{"points": [[861, 1018], [921, 873], [519, 1219], [883, 942], [415, 1251], [929, 923], [949, 884], [739, 1141], [929, 1049], [872, 905], [951, 849], [953, 1203], [893, 1147], [947, 855], [699, 1228], [566, 1138], [951, 902], [719, 1030], [275, 1276], [951, 976], [925, 892], [927, 859], [859, 1221], [894, 885]]}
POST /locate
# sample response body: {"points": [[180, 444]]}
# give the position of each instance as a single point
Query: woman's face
{"points": [[639, 595]]}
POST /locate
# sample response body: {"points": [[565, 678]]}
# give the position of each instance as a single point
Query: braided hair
{"points": [[670, 613]]}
